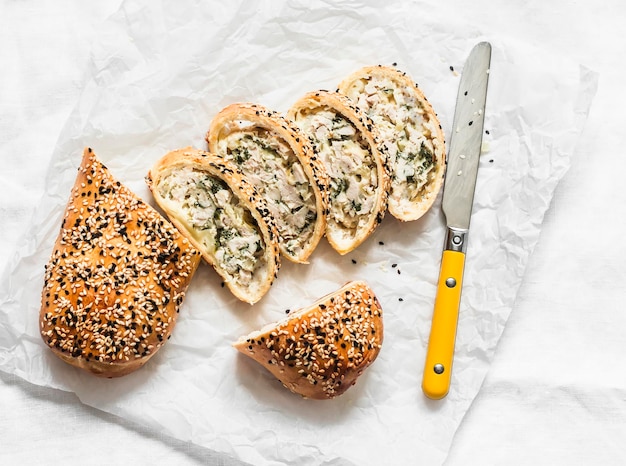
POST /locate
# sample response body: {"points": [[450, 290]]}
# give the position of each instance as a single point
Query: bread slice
{"points": [[346, 142], [222, 215], [319, 351], [410, 130], [274, 158], [116, 278]]}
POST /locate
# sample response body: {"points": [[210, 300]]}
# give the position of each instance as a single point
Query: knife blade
{"points": [[458, 197]]}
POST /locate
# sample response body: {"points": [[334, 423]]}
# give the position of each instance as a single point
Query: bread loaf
{"points": [[116, 278], [319, 351], [410, 130], [279, 163], [222, 215], [346, 142]]}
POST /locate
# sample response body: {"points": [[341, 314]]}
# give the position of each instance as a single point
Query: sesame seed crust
{"points": [[319, 351], [116, 278]]}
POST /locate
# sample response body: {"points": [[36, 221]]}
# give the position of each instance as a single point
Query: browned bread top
{"points": [[319, 351], [116, 277]]}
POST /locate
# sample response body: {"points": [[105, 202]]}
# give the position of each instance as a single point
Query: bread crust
{"points": [[342, 235], [250, 119], [246, 196], [116, 278], [319, 351], [405, 203]]}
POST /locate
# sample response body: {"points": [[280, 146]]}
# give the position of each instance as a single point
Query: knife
{"points": [[458, 196]]}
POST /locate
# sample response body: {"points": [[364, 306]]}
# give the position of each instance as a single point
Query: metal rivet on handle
{"points": [[450, 282], [438, 368]]}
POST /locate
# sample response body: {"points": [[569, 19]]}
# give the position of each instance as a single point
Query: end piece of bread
{"points": [[279, 162], [410, 130], [346, 141], [116, 277], [319, 351], [222, 215]]}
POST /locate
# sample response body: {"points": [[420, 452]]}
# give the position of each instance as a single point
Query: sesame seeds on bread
{"points": [[116, 278], [346, 141], [319, 351], [410, 130], [222, 215]]}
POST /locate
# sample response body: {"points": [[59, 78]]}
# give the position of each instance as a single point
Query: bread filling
{"points": [[349, 163], [405, 128], [279, 177], [213, 215]]}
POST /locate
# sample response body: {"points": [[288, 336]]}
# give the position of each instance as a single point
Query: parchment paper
{"points": [[158, 75]]}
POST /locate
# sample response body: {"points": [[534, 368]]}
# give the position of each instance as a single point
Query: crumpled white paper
{"points": [[159, 73]]}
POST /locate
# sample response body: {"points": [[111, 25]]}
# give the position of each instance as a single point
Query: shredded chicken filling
{"points": [[212, 213], [349, 164], [279, 177], [405, 129]]}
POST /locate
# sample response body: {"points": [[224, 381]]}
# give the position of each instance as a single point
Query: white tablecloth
{"points": [[556, 391]]}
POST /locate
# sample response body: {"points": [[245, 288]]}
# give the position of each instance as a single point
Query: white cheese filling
{"points": [[406, 130], [277, 174], [212, 213], [349, 164]]}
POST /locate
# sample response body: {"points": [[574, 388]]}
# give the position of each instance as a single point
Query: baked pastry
{"points": [[222, 215], [116, 277], [319, 351], [346, 142], [280, 164], [410, 130]]}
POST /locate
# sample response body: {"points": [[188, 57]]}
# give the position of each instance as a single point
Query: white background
{"points": [[556, 392]]}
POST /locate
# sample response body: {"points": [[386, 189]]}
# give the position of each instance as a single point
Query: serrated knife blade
{"points": [[458, 198]]}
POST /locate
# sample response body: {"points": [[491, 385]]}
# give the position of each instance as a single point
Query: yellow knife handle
{"points": [[440, 352]]}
